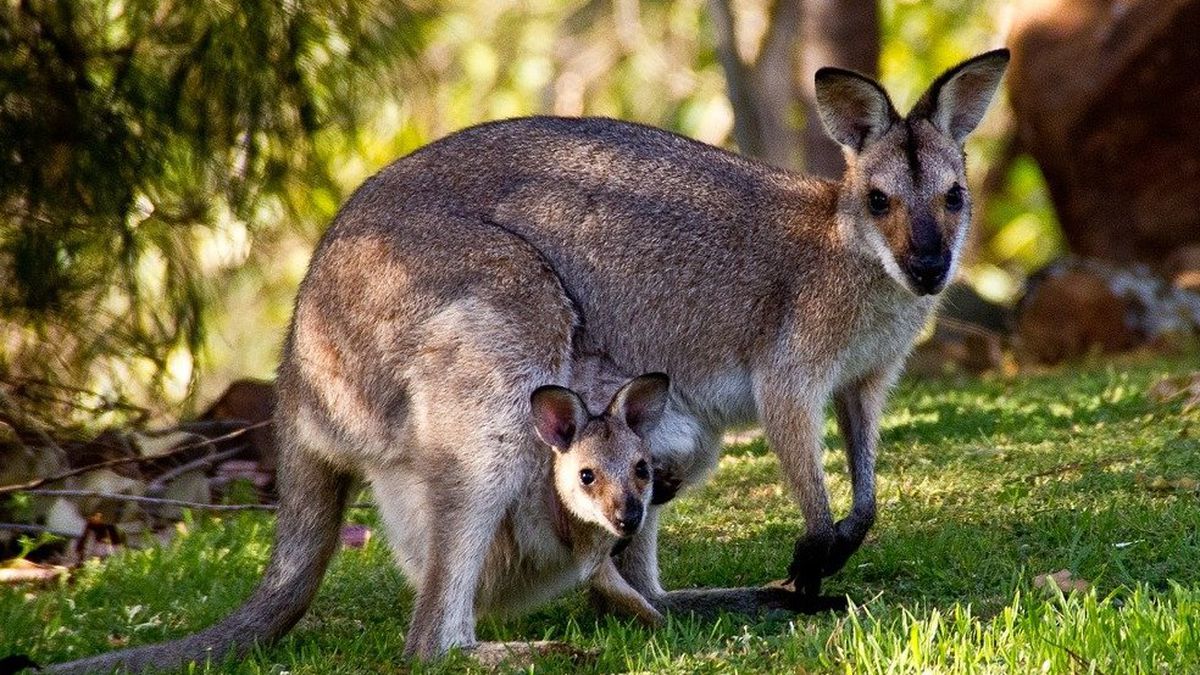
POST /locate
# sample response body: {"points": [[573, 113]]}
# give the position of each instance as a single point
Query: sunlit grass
{"points": [[983, 485]]}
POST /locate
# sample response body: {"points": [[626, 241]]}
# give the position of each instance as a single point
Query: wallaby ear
{"points": [[558, 414], [641, 401], [957, 100], [854, 108]]}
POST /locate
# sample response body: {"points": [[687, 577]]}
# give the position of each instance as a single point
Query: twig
{"points": [[1075, 466], [1088, 664], [158, 501], [160, 483], [35, 529], [161, 501], [8, 489]]}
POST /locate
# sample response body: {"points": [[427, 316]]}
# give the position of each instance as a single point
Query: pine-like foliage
{"points": [[129, 126]]}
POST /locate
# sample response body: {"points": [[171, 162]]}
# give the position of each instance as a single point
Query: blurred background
{"points": [[167, 166]]}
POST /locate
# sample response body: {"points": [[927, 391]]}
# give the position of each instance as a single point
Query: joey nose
{"points": [[630, 518], [928, 272]]}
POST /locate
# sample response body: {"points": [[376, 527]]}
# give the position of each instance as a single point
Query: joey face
{"points": [[602, 463], [904, 196], [605, 477]]}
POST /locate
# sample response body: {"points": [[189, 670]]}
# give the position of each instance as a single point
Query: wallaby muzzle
{"points": [[627, 520], [928, 273]]}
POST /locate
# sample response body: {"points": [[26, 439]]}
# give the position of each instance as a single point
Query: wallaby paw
{"points": [[808, 564], [666, 484], [521, 655], [847, 540]]}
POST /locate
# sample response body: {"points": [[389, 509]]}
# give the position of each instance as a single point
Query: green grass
{"points": [[943, 584]]}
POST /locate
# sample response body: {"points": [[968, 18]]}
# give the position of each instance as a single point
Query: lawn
{"points": [[983, 485]]}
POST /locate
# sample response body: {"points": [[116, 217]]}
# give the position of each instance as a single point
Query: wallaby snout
{"points": [[628, 519], [928, 272]]}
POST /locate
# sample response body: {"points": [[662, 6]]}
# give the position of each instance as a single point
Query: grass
{"points": [[943, 584]]}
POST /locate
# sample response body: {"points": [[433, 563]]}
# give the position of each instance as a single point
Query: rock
{"points": [[1076, 305], [251, 402], [64, 516], [1106, 96]]}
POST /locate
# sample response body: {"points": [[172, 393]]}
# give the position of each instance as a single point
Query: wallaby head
{"points": [[602, 462], [904, 195]]}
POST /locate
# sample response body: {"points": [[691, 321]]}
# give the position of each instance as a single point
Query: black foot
{"points": [[847, 539], [16, 663], [815, 558], [666, 485], [808, 564]]}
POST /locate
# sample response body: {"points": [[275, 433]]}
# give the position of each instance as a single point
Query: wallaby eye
{"points": [[641, 470], [877, 202], [587, 477], [954, 199]]}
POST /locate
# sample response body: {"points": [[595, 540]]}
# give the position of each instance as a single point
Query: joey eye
{"points": [[954, 199], [587, 477], [877, 202], [641, 470]]}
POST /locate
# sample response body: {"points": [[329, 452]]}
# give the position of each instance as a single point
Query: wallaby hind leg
{"points": [[467, 513]]}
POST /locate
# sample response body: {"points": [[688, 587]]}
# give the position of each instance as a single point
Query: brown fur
{"points": [[462, 276]]}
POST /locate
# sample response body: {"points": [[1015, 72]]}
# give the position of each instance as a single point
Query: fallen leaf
{"points": [[1062, 580], [1183, 386], [355, 536], [20, 570], [1164, 484]]}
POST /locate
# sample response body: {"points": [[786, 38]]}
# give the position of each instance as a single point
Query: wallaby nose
{"points": [[928, 272], [630, 518]]}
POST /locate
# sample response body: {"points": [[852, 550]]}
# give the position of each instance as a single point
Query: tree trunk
{"points": [[772, 96], [1106, 95], [842, 33]]}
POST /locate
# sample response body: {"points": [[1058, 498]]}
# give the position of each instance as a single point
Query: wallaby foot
{"points": [[520, 655], [817, 557], [801, 603]]}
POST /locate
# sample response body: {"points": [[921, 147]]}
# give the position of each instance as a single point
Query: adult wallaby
{"points": [[461, 277]]}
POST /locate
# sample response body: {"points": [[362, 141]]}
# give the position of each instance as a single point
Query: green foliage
{"points": [[982, 486], [134, 133], [165, 167]]}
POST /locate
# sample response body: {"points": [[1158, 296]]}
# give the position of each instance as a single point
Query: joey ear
{"points": [[957, 100], [558, 414], [854, 108], [641, 401]]}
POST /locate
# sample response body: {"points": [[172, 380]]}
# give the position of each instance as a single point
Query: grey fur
{"points": [[519, 253]]}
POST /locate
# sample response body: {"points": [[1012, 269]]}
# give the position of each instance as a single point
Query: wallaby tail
{"points": [[312, 501], [749, 601]]}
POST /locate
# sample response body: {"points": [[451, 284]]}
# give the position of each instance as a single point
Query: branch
{"points": [[157, 501], [161, 501], [746, 129], [160, 483], [25, 487], [36, 529]]}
